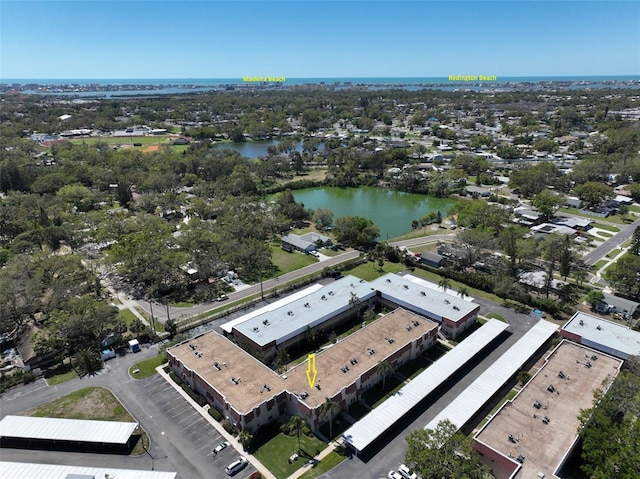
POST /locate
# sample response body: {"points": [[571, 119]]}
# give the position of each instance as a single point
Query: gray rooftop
{"points": [[604, 335], [422, 300], [296, 317], [77, 430]]}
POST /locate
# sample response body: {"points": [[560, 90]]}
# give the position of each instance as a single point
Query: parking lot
{"points": [[199, 436]]}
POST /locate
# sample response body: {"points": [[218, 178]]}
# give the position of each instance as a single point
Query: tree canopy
{"points": [[443, 453]]}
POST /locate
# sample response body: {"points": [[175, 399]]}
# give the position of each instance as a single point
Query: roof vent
{"points": [[446, 301], [235, 380], [371, 351], [330, 293], [422, 293], [290, 313], [560, 374], [405, 286], [217, 366], [323, 298], [457, 308], [304, 395], [598, 327], [307, 305], [256, 329], [581, 323], [388, 280], [390, 340], [265, 322], [550, 388], [408, 328], [353, 361]]}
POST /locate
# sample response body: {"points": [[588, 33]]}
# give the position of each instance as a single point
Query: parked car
{"points": [[222, 297], [221, 447], [394, 475], [406, 473], [237, 466]]}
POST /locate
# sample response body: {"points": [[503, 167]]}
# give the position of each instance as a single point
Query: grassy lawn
{"points": [[60, 374], [425, 248], [370, 271], [417, 233], [127, 315], [609, 219], [613, 253], [147, 367], [340, 425], [287, 262], [603, 226], [603, 234], [634, 208], [327, 463], [599, 265], [93, 403], [276, 448], [182, 304], [496, 316]]}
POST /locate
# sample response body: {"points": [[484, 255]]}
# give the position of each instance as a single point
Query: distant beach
{"points": [[158, 86]]}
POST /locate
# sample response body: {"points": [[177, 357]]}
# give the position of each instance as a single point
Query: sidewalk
{"points": [[308, 466], [203, 412]]}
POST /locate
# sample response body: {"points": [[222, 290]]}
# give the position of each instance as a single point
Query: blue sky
{"points": [[218, 39]]}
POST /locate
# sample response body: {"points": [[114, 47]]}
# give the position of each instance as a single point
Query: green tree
{"points": [[594, 297], [547, 202], [323, 217], [611, 431], [245, 438], [384, 368], [593, 193], [355, 231], [443, 453], [444, 284], [624, 275], [295, 425], [329, 407]]}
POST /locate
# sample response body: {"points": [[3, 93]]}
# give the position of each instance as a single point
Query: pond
{"points": [[252, 149], [391, 210]]}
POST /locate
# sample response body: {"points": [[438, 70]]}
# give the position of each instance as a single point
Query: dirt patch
{"points": [[151, 148], [88, 403]]}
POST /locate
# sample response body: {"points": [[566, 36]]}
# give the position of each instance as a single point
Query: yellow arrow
{"points": [[312, 372]]}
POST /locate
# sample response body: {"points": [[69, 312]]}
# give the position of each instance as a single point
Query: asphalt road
{"points": [[626, 231], [160, 311], [181, 440]]}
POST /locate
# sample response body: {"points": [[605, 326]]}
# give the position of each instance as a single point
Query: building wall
{"points": [[290, 404]]}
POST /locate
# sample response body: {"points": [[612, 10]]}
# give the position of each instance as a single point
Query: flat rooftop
{"points": [[75, 430], [248, 390], [294, 318], [545, 445], [23, 470], [400, 326], [421, 299], [608, 336]]}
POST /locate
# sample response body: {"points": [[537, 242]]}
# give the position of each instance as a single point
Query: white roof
{"points": [[435, 287], [227, 327], [611, 338], [367, 430], [428, 302], [478, 393], [287, 322], [77, 430], [20, 470]]}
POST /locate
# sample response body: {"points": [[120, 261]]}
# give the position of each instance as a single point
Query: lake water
{"points": [[391, 210], [252, 149]]}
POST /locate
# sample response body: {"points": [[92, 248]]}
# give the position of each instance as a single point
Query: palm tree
{"points": [[329, 406], [296, 424], [445, 284], [463, 292], [384, 368], [245, 438]]}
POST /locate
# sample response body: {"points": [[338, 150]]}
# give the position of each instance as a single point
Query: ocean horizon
{"points": [[318, 80]]}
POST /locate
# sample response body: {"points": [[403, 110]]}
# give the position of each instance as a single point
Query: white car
{"points": [[221, 447], [394, 475], [236, 466], [406, 473]]}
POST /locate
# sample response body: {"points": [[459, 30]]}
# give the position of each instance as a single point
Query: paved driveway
{"points": [[181, 439]]}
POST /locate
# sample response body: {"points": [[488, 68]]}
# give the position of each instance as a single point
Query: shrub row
{"points": [[215, 414], [185, 387]]}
